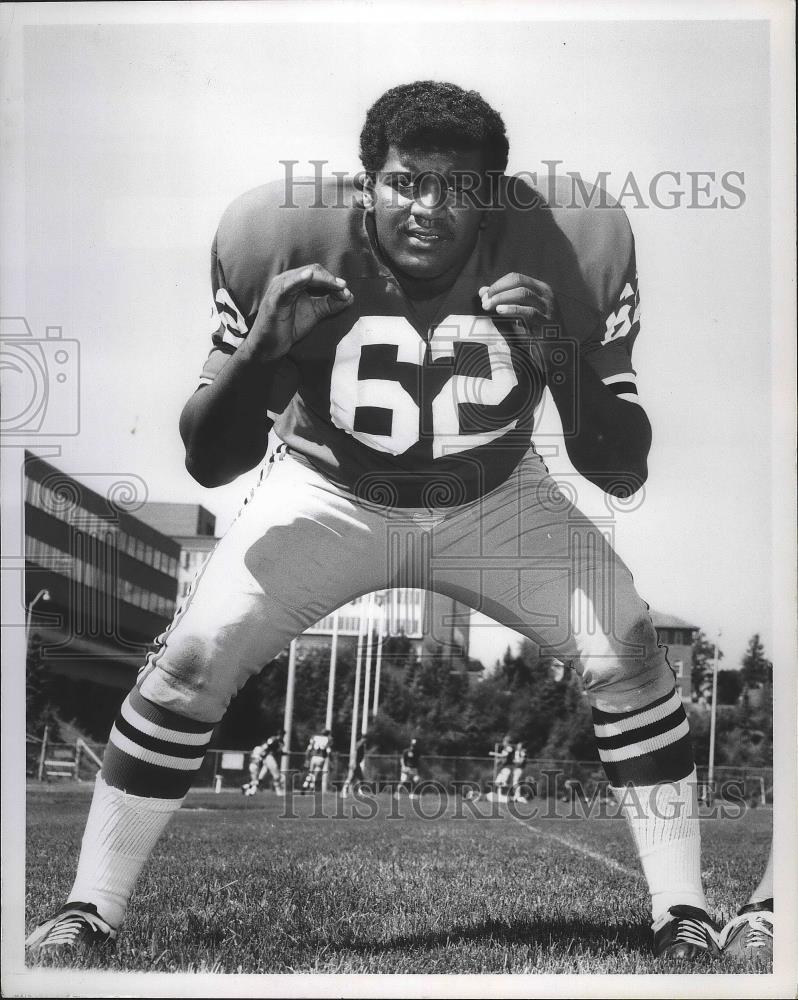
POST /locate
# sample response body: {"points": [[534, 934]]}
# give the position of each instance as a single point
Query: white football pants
{"points": [[302, 547]]}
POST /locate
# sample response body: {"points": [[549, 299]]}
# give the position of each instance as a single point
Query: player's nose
{"points": [[431, 195]]}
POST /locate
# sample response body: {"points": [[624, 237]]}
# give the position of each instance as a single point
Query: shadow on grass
{"points": [[590, 938]]}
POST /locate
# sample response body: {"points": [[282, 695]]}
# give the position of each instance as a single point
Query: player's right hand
{"points": [[294, 303]]}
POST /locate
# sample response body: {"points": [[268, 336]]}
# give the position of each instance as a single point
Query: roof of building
{"points": [[196, 543], [661, 620], [178, 519], [116, 504]]}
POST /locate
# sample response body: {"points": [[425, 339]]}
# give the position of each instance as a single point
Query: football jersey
{"points": [[410, 758], [507, 755], [273, 746], [424, 404], [319, 746]]}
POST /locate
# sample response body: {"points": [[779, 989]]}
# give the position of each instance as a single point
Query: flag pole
{"points": [[288, 715], [381, 603], [331, 691], [356, 696], [364, 721]]}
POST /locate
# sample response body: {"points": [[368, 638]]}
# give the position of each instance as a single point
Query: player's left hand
{"points": [[517, 296]]}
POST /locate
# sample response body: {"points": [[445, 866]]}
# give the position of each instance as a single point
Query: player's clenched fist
{"points": [[517, 296], [294, 303]]}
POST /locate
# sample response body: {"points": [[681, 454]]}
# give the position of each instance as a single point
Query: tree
{"points": [[730, 686], [701, 674], [757, 668], [40, 710]]}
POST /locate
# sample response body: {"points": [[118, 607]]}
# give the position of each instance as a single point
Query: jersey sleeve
{"points": [[609, 348], [228, 329], [227, 325]]}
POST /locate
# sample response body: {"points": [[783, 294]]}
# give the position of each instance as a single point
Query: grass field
{"points": [[235, 885]]}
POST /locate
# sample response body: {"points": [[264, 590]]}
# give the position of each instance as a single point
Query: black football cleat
{"points": [[686, 932], [749, 935], [75, 925]]}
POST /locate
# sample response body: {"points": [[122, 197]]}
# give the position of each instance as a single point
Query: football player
{"points": [[504, 775], [409, 775], [519, 765], [265, 759], [396, 336], [317, 758], [356, 775]]}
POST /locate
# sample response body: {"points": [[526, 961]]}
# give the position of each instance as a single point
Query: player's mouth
{"points": [[426, 235]]}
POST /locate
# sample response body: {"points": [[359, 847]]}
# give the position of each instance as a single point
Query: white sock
{"points": [[120, 834], [663, 819], [765, 888]]}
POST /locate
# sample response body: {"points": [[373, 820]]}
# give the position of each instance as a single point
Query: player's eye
{"points": [[463, 185], [402, 183]]}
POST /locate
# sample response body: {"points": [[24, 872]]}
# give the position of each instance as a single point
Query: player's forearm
{"points": [[612, 438], [225, 425]]}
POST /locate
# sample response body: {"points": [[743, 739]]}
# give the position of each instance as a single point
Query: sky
{"points": [[136, 137]]}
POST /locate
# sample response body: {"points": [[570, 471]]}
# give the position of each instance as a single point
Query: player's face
{"points": [[426, 225]]}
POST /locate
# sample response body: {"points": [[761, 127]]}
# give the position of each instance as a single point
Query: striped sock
{"points": [[648, 759], [150, 760], [154, 752], [646, 746]]}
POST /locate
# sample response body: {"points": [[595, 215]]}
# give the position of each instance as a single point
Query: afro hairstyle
{"points": [[432, 115]]}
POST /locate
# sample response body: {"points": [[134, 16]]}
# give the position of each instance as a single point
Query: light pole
{"points": [[43, 595], [713, 712]]}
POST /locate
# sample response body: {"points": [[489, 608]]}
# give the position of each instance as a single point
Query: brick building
{"points": [[679, 636], [99, 585]]}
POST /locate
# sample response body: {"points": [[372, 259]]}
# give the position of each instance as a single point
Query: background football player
{"points": [[409, 769], [505, 756], [519, 765], [265, 759], [317, 758], [399, 342]]}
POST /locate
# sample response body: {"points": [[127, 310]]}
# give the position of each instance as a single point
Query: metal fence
{"points": [[226, 769]]}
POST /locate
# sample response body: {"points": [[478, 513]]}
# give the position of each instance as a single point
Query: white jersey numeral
{"points": [[488, 389], [348, 392], [620, 322]]}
